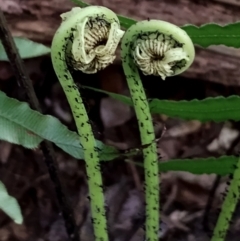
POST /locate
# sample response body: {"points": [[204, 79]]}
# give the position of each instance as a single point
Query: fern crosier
{"points": [[94, 42]]}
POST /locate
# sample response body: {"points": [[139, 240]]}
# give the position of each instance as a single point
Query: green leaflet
{"points": [[222, 166], [27, 49], [9, 205], [13, 133], [214, 34], [24, 126], [205, 35], [216, 109]]}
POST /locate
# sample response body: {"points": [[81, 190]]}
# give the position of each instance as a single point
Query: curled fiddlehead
{"points": [[86, 40], [164, 53], [155, 48]]}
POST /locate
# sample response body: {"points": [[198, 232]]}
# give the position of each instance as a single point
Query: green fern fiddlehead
{"points": [[86, 40], [156, 48]]}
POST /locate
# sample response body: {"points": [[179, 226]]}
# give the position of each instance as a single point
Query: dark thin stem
{"points": [[209, 204], [46, 147]]}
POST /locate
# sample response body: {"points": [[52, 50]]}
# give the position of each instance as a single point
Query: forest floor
{"points": [[183, 195]]}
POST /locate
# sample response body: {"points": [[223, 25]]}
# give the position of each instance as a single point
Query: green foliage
{"points": [[214, 34], [222, 166], [23, 126], [15, 133], [27, 49], [217, 109], [9, 205]]}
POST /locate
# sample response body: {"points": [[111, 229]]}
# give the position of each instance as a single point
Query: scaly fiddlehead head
{"points": [[87, 40], [157, 48], [164, 53]]}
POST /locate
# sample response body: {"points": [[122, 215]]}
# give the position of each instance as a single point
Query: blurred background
{"points": [[214, 72]]}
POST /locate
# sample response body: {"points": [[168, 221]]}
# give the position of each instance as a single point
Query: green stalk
{"points": [[73, 30], [228, 207], [152, 181], [150, 46]]}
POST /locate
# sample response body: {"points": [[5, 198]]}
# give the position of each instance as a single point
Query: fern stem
{"points": [[156, 48], [147, 135], [71, 29]]}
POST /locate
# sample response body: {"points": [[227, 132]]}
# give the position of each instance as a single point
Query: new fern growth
{"points": [[156, 48], [86, 40]]}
